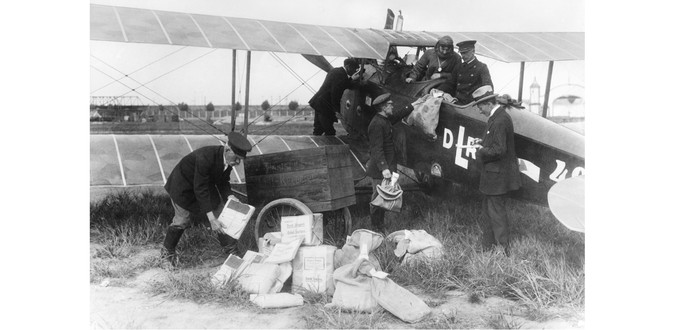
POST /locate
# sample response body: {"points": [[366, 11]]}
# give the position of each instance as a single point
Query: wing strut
{"points": [[233, 89], [547, 90], [245, 112], [521, 81]]}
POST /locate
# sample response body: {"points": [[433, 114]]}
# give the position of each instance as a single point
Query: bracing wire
{"points": [[144, 85], [137, 70]]}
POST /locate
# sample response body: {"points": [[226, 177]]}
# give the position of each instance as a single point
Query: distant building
{"points": [[568, 106]]}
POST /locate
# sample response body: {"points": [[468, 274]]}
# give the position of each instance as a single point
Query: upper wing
{"points": [[123, 24]]}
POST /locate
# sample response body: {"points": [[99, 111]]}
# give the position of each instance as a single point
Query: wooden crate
{"points": [[319, 177]]}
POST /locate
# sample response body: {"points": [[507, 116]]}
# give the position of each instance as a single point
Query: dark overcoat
{"points": [[327, 98], [199, 181], [500, 171], [381, 147], [468, 77]]}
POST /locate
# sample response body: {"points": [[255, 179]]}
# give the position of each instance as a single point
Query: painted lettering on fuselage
{"points": [[561, 171], [448, 141], [462, 157]]}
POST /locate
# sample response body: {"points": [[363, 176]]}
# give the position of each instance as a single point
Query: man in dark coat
{"points": [[439, 62], [499, 172], [326, 101], [199, 184], [382, 160], [469, 75]]}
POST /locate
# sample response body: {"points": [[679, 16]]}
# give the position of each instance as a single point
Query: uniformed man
{"points": [[382, 160], [499, 168], [199, 184], [470, 75]]}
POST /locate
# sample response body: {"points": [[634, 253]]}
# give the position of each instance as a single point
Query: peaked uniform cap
{"points": [[466, 45], [239, 144], [380, 99]]}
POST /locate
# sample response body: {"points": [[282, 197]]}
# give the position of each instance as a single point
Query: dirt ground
{"points": [[123, 304]]}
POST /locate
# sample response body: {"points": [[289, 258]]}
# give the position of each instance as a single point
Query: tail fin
{"points": [[389, 20]]}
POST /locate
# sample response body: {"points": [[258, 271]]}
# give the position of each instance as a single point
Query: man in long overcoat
{"points": [[500, 171]]}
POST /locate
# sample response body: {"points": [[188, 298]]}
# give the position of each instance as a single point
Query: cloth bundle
{"points": [[425, 114], [370, 241], [416, 245]]}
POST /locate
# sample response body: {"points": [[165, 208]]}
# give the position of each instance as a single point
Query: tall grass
{"points": [[545, 268]]}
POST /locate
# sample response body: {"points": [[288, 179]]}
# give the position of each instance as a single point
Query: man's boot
{"points": [[172, 237], [229, 244]]}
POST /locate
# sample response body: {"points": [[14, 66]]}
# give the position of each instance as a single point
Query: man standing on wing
{"points": [[382, 160], [199, 184], [326, 101], [499, 172]]}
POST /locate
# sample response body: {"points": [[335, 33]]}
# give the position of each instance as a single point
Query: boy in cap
{"points": [[326, 102], [199, 184], [470, 75], [499, 168], [436, 63], [382, 160]]}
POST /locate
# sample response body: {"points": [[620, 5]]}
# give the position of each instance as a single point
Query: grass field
{"points": [[545, 271]]}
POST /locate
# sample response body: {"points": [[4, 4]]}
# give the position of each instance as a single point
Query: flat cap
{"points": [[239, 144], [466, 45], [380, 99]]}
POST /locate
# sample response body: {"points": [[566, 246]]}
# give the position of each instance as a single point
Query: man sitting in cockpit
{"points": [[436, 63]]}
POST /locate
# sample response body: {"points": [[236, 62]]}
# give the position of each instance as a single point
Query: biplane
{"points": [[548, 152]]}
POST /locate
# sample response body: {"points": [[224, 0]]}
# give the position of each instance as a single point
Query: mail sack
{"points": [[389, 196]]}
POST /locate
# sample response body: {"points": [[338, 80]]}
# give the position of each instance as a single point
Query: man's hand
{"points": [[409, 80], [436, 76], [448, 97], [386, 174], [356, 74]]}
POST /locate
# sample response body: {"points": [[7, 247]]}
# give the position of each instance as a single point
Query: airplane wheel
{"points": [[269, 218]]}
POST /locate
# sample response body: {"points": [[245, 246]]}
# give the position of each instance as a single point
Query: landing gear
{"points": [[269, 218]]}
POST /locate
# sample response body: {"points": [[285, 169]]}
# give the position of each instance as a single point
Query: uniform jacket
{"points": [[500, 171], [428, 64], [469, 77], [199, 181], [327, 98], [381, 147]]}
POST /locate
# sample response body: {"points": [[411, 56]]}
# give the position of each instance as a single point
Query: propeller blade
{"points": [[566, 200]]}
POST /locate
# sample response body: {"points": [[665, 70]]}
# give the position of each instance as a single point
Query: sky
{"points": [[208, 79]]}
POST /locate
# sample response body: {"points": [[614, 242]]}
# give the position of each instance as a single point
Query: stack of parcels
{"points": [[312, 262]]}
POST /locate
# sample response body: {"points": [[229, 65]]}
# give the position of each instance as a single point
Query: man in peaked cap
{"points": [[199, 185], [470, 74], [499, 168], [382, 160], [439, 62]]}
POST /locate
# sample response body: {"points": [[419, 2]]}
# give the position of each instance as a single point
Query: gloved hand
{"points": [[386, 174], [215, 225], [409, 80]]}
